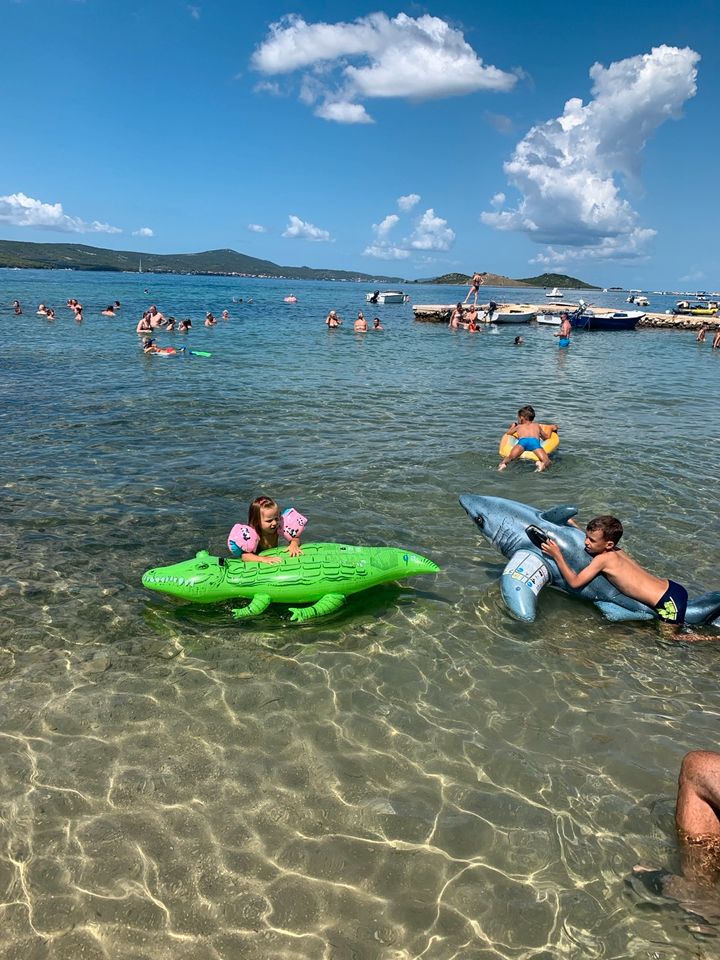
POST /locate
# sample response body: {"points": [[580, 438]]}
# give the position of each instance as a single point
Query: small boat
{"points": [[618, 320], [290, 299], [387, 296], [554, 294], [686, 308], [638, 300], [509, 315], [550, 319]]}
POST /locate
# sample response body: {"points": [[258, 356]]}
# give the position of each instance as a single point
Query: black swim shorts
{"points": [[673, 603]]}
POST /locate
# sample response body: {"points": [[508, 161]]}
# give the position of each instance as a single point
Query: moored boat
{"points": [[618, 320], [704, 308], [509, 315], [554, 294], [387, 296]]}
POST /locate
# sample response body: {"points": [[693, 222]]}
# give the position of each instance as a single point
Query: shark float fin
{"points": [[522, 580], [616, 613], [559, 515]]}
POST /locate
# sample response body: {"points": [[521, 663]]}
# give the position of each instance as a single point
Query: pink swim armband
{"points": [[292, 524], [242, 539]]}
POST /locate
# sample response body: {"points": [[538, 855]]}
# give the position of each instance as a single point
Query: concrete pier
{"points": [[440, 313]]}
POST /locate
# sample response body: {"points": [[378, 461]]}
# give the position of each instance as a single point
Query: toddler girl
{"points": [[261, 531]]}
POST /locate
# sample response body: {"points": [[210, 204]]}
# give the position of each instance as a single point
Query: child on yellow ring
{"points": [[530, 436]]}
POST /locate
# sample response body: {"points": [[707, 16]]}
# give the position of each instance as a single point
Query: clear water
{"points": [[416, 776]]}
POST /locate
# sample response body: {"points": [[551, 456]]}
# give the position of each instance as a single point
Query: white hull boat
{"points": [[510, 315], [554, 294], [551, 319], [387, 296]]}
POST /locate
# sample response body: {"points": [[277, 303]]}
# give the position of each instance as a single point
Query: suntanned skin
{"points": [[608, 559], [528, 428], [269, 522]]}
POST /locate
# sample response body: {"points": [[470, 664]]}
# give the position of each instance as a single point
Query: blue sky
{"points": [[413, 140]]}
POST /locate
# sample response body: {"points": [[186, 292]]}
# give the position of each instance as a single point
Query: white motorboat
{"points": [[638, 299], [510, 315], [554, 294], [387, 296], [551, 319]]}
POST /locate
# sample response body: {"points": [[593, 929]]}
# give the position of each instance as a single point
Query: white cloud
{"points": [[432, 233], [342, 112], [499, 121], [498, 200], [144, 232], [23, 211], [566, 168], [375, 57], [408, 201], [298, 229], [257, 228], [385, 251], [385, 226], [194, 11], [266, 86]]}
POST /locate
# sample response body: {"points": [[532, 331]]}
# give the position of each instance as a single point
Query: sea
{"points": [[417, 775]]}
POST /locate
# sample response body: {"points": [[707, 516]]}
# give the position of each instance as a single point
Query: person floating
{"points": [[666, 598], [530, 436], [261, 532]]}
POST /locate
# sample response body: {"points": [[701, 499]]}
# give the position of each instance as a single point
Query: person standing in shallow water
{"points": [[564, 331]]}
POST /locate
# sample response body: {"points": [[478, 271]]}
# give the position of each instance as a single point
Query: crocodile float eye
{"points": [[203, 566]]}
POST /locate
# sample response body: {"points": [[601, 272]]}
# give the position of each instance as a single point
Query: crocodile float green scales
{"points": [[323, 575]]}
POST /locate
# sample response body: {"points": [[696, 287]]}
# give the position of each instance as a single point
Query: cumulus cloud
{"points": [[257, 228], [144, 232], [417, 58], [498, 200], [408, 202], [432, 233], [570, 170], [298, 229], [386, 251], [23, 211]]}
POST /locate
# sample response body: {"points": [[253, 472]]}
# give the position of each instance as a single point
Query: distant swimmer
{"points": [[360, 325], [42, 310], [109, 311], [144, 326], [50, 314], [456, 317], [225, 315], [333, 320], [185, 325], [210, 320], [17, 308], [377, 325], [170, 324], [518, 341]]}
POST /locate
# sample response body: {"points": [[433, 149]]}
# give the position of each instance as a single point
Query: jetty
{"points": [[440, 313]]}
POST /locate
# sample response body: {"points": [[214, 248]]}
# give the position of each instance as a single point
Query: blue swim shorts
{"points": [[672, 604], [529, 443], [564, 342]]}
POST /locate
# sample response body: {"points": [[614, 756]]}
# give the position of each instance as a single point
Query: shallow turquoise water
{"points": [[418, 775]]}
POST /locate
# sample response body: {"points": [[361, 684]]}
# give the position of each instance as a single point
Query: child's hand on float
{"points": [[294, 548], [551, 549], [270, 559]]}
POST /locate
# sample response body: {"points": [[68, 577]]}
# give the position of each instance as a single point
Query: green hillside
{"points": [[558, 280], [498, 280], [78, 256]]}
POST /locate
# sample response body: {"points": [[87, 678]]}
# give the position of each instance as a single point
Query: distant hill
{"points": [[558, 280], [498, 280], [78, 256]]}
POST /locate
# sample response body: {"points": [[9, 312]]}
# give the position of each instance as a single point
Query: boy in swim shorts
{"points": [[667, 599], [530, 436]]}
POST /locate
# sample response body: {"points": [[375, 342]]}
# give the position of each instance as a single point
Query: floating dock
{"points": [[440, 313]]}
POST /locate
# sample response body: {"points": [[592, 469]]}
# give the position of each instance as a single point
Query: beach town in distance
{"points": [[358, 600]]}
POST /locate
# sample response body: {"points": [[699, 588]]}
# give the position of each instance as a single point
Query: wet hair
{"points": [[518, 340], [610, 527], [527, 412], [254, 518]]}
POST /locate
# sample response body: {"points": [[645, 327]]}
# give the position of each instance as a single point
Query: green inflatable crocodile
{"points": [[324, 574]]}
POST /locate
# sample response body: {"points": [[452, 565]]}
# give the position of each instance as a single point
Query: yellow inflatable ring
{"points": [[549, 446]]}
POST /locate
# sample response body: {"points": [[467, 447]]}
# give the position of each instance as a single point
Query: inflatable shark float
{"points": [[517, 530], [323, 575]]}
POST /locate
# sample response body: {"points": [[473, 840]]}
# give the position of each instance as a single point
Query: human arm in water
{"points": [[580, 579]]}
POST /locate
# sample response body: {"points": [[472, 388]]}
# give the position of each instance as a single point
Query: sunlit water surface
{"points": [[415, 776]]}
